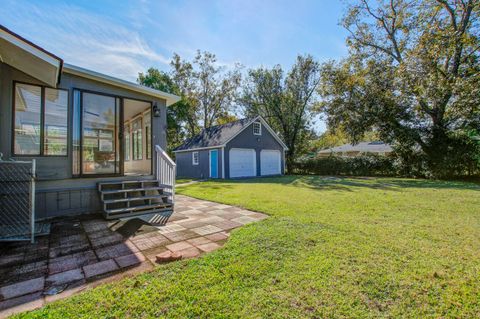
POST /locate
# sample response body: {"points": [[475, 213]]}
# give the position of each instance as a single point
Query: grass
{"points": [[332, 248], [183, 180]]}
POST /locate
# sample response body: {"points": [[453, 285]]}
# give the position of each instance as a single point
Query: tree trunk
{"points": [[289, 159]]}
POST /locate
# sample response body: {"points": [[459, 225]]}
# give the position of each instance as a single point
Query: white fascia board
{"points": [[275, 135], [96, 76], [34, 50], [30, 48], [264, 124]]}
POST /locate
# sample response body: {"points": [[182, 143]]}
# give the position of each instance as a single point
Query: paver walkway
{"points": [[85, 251]]}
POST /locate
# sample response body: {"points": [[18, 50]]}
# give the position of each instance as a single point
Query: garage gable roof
{"points": [[220, 135]]}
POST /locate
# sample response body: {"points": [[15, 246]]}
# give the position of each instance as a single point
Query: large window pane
{"points": [[56, 117], [148, 134], [137, 139], [76, 132], [27, 119], [99, 134], [126, 135]]}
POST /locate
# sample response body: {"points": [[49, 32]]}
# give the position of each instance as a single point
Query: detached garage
{"points": [[244, 148]]}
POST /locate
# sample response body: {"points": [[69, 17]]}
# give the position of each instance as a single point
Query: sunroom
{"points": [[97, 141]]}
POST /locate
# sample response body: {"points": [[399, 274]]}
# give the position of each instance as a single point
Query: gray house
{"points": [[244, 148], [97, 141]]}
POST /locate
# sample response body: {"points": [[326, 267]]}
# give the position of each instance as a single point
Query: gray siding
{"points": [[58, 192], [246, 139], [185, 168]]}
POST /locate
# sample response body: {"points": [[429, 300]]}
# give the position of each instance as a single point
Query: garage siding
{"points": [[186, 169], [246, 139]]}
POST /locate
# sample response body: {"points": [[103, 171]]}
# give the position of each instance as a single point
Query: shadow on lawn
{"points": [[349, 183]]}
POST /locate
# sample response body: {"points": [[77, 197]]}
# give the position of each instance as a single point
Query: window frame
{"points": [[42, 120], [259, 128], [193, 158]]}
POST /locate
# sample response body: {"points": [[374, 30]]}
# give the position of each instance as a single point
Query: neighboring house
{"points": [[83, 128], [244, 148], [350, 150]]}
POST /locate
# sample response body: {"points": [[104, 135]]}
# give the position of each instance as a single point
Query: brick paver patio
{"points": [[82, 252]]}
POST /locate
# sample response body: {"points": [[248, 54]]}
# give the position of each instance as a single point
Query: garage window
{"points": [[195, 158], [257, 128]]}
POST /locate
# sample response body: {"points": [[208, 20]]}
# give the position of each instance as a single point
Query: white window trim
{"points": [[193, 158], [260, 128]]}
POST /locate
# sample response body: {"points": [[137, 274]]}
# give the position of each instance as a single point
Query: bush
{"points": [[411, 164], [366, 165]]}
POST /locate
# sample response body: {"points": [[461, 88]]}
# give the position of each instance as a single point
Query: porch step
{"points": [[130, 215], [134, 199], [130, 198], [127, 184], [117, 191]]}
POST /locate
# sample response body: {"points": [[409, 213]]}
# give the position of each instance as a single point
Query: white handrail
{"points": [[166, 172]]}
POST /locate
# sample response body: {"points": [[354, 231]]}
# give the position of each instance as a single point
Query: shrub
{"points": [[366, 165], [401, 164]]}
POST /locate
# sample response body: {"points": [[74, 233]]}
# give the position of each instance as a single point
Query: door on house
{"points": [[99, 134], [111, 135], [137, 137], [213, 163]]}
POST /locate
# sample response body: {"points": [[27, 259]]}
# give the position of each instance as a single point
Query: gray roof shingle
{"points": [[215, 135]]}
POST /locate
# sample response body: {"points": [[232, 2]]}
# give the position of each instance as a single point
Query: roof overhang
{"points": [[256, 119], [92, 75], [199, 148], [265, 124], [29, 58]]}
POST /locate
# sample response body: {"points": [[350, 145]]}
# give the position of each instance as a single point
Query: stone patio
{"points": [[85, 251]]}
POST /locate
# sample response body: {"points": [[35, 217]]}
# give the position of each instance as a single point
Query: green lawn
{"points": [[183, 180], [332, 248]]}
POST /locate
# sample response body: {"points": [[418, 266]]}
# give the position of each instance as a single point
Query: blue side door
{"points": [[214, 164]]}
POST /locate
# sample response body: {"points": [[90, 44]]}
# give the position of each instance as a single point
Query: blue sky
{"points": [[122, 38]]}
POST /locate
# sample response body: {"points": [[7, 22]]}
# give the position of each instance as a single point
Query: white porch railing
{"points": [[166, 172]]}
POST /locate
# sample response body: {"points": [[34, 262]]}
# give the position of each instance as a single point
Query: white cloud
{"points": [[81, 38]]}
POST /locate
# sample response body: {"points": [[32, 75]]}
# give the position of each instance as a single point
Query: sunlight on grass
{"points": [[332, 248]]}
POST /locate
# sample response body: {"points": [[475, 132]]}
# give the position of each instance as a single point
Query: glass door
{"points": [[99, 134]]}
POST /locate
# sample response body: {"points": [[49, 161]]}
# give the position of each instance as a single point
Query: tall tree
{"points": [[284, 101], [178, 113], [412, 74], [210, 88]]}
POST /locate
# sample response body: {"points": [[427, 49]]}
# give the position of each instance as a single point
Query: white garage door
{"points": [[242, 162], [270, 162]]}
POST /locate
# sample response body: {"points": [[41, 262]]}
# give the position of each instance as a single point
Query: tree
{"points": [[178, 113], [412, 74], [209, 88], [284, 101]]}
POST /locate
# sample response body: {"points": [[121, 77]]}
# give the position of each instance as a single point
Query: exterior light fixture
{"points": [[156, 110]]}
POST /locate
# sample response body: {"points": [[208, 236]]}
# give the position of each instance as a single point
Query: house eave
{"points": [[259, 118], [199, 148], [96, 76], [29, 58]]}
